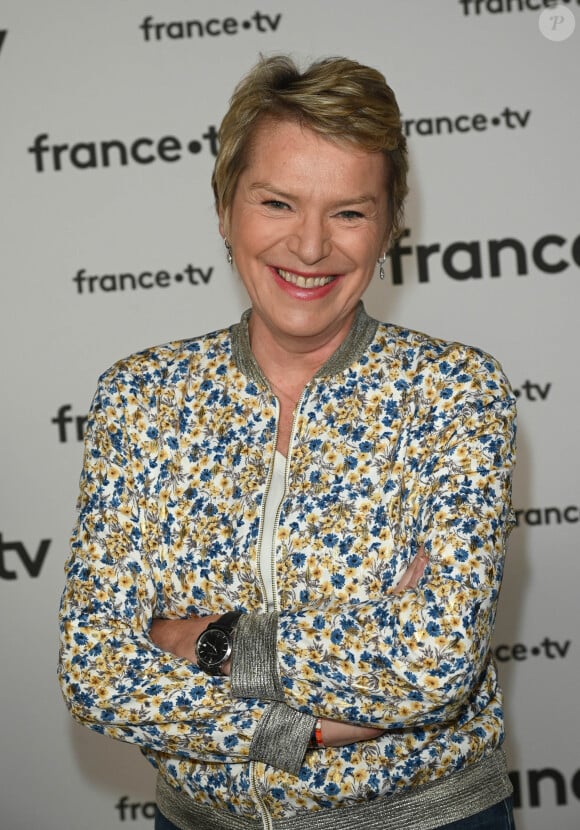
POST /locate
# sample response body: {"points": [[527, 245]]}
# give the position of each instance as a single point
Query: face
{"points": [[307, 223]]}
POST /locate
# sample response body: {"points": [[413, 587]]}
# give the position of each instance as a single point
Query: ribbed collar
{"points": [[361, 333]]}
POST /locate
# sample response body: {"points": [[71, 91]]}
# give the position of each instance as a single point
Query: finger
{"points": [[422, 554], [413, 573]]}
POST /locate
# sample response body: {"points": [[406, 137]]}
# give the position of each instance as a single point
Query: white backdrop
{"points": [[109, 243]]}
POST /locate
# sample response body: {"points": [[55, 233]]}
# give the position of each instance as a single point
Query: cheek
{"points": [[247, 232], [369, 252]]}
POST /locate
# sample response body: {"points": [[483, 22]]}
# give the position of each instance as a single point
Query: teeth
{"points": [[304, 282]]}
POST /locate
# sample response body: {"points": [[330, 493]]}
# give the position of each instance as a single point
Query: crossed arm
{"points": [[178, 637]]}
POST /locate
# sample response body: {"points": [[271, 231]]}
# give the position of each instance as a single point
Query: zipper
{"points": [[254, 792], [260, 803], [262, 809], [263, 512], [279, 508]]}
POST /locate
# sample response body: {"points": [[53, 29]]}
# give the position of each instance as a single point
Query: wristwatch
{"points": [[214, 645]]}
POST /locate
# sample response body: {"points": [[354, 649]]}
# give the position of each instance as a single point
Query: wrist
{"points": [[316, 741], [213, 647]]}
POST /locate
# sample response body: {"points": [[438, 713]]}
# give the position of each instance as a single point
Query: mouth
{"points": [[301, 281]]}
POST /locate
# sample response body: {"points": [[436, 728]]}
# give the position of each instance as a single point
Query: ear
{"points": [[223, 223], [387, 239]]}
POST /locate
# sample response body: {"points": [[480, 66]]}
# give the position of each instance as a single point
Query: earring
{"points": [[230, 257], [381, 261]]}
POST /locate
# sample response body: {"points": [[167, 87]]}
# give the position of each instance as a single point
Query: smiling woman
{"points": [[285, 571], [307, 223]]}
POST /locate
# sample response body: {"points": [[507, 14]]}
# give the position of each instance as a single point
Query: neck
{"points": [[290, 363]]}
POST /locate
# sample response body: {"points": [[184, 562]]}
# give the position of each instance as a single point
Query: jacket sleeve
{"points": [[114, 679], [412, 659]]}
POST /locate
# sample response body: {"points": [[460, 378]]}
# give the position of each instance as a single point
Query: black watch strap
{"points": [[227, 622]]}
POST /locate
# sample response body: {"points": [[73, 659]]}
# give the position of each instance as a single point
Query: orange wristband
{"points": [[316, 741]]}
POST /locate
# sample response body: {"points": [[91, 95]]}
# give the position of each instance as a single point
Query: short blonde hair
{"points": [[338, 98]]}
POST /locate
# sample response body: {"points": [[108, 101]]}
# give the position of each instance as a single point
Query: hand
{"points": [[179, 636], [413, 574], [335, 733]]}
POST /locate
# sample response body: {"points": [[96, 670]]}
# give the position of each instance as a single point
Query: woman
{"points": [[285, 571]]}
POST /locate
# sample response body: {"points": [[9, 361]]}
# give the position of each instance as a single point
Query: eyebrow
{"points": [[364, 198]]}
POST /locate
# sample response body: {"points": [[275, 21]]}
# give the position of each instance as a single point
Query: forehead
{"points": [[285, 148]]}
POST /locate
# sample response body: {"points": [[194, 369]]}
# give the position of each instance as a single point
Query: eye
{"points": [[275, 204], [351, 214]]}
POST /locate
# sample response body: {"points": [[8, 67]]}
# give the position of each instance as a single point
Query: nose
{"points": [[311, 239]]}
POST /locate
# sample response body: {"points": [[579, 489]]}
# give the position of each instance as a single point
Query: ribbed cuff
{"points": [[254, 667], [282, 737]]}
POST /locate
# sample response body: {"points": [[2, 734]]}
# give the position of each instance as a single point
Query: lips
{"points": [[304, 281]]}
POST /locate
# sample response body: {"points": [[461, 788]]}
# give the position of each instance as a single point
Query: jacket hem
{"points": [[456, 796]]}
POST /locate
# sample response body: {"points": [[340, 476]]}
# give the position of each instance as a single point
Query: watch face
{"points": [[213, 648]]}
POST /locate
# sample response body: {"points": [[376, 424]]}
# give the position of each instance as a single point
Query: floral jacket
{"points": [[399, 441]]}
